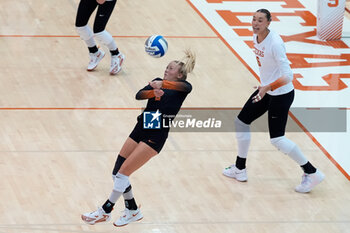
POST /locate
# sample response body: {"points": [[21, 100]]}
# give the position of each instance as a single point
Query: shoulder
{"points": [[275, 37], [276, 42], [185, 81], [187, 84]]}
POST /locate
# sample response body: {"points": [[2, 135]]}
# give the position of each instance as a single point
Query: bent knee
{"points": [[283, 144], [242, 130], [121, 182]]}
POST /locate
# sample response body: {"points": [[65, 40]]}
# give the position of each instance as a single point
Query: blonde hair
{"points": [[187, 63]]}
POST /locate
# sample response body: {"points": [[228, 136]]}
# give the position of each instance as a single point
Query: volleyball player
{"points": [[164, 96], [275, 95], [104, 11]]}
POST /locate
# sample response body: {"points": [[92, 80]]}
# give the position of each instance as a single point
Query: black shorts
{"points": [[155, 138], [277, 107]]}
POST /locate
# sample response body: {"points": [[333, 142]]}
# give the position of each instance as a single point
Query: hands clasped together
{"points": [[157, 85]]}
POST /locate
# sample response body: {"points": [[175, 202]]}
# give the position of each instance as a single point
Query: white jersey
{"points": [[273, 62]]}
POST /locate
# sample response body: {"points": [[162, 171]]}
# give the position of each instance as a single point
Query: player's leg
{"points": [[137, 159], [150, 146], [250, 112], [121, 185], [136, 135], [103, 14], [277, 117], [129, 146], [85, 9], [103, 213]]}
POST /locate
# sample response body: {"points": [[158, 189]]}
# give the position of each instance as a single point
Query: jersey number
{"points": [[258, 60]]}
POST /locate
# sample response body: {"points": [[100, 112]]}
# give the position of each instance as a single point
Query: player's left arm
{"points": [[280, 56], [182, 86]]}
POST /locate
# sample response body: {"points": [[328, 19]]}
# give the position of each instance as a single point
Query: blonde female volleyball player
{"points": [[165, 96], [275, 95], [104, 11]]}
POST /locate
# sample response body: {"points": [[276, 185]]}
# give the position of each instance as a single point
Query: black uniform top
{"points": [[170, 103]]}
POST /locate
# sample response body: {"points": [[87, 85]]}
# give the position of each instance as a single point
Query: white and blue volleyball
{"points": [[156, 46]]}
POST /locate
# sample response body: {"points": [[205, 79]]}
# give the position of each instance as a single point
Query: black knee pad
{"points": [[118, 163]]}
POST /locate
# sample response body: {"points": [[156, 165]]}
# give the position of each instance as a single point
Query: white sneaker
{"points": [[128, 216], [309, 181], [95, 217], [116, 63], [95, 58], [233, 172]]}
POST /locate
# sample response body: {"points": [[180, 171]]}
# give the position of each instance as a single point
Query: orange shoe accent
{"points": [[105, 217]]}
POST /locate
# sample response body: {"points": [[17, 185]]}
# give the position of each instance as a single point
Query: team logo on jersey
{"points": [[152, 120], [259, 52]]}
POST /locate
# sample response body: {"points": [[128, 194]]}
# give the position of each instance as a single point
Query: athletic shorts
{"points": [[155, 138], [277, 108]]}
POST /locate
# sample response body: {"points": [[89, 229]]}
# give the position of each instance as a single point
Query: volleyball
{"points": [[156, 46]]}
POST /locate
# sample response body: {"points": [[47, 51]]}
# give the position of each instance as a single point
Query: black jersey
{"points": [[170, 103]]}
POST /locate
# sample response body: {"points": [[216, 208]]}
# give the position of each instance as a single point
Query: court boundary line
{"points": [[76, 36], [318, 144], [135, 108]]}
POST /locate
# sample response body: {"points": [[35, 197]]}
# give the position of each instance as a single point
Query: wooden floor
{"points": [[56, 153]]}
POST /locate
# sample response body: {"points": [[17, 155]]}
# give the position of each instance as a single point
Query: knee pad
{"points": [[118, 163], [283, 144], [85, 32], [121, 183], [242, 130], [104, 37]]}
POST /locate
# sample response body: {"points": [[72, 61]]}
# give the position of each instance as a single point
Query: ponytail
{"points": [[187, 63]]}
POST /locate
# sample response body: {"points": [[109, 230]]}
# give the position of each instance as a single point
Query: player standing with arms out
{"points": [[104, 11], [275, 95], [164, 96]]}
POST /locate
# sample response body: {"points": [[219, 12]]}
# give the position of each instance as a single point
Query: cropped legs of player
{"points": [[104, 11]]}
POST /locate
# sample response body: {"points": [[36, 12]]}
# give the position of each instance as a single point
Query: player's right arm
{"points": [[148, 92]]}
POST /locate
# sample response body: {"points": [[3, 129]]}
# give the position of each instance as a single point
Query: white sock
{"points": [[112, 46], [298, 156], [243, 138], [90, 42], [129, 195], [114, 196]]}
